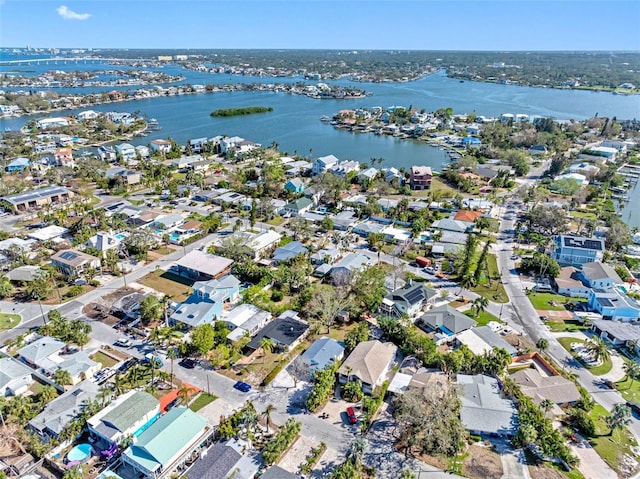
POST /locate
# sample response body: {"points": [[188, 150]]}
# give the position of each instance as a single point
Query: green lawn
{"points": [[549, 301], [106, 361], [603, 368], [629, 389], [8, 321], [611, 448], [277, 221], [201, 401], [567, 325], [583, 214], [483, 318], [177, 287], [495, 291]]}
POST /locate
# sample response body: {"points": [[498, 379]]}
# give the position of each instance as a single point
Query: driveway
{"points": [[513, 463], [592, 466]]}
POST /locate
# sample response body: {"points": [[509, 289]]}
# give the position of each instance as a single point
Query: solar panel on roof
{"points": [[414, 295], [69, 255]]}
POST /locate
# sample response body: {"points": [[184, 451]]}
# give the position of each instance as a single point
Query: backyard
{"points": [[105, 360], [598, 370], [551, 301], [8, 321], [483, 318], [177, 287]]}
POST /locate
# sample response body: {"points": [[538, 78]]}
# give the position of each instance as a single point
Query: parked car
{"points": [[157, 361], [241, 386], [351, 415], [188, 363], [634, 406], [123, 342]]}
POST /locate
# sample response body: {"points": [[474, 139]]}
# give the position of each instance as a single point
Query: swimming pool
{"points": [[79, 453], [121, 236]]}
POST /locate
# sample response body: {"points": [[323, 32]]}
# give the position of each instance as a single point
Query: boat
{"points": [[636, 238], [325, 119]]}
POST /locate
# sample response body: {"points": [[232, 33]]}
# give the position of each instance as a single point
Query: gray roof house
{"points": [[276, 472], [341, 271], [15, 377], [600, 275], [483, 339], [224, 460], [288, 251], [79, 366], [484, 409], [446, 320], [322, 353], [447, 224], [325, 255], [369, 362], [557, 389], [37, 353], [409, 300], [62, 410], [286, 331]]}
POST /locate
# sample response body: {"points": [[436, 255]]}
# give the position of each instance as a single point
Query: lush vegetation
{"points": [[312, 458], [324, 381], [249, 110], [281, 442]]}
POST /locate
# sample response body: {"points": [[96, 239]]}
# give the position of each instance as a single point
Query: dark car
{"points": [[188, 363], [634, 406], [351, 416], [244, 387]]}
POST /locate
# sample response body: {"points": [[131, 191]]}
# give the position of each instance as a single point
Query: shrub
{"points": [[276, 295], [74, 291], [281, 441]]}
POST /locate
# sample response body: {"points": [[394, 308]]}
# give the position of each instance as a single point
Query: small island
{"points": [[249, 110]]}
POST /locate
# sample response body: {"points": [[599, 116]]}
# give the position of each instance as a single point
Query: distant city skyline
{"points": [[482, 25]]}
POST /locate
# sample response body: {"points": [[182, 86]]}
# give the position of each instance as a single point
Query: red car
{"points": [[351, 416]]}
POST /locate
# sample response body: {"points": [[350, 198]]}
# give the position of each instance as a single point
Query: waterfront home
{"points": [[245, 320], [367, 176], [107, 153], [58, 413], [577, 250], [600, 275], [421, 177], [577, 177], [555, 388], [369, 363], [64, 157], [201, 266], [298, 207], [17, 165], [15, 377], [126, 151], [125, 416], [409, 300], [73, 263], [295, 185], [614, 305], [160, 146], [286, 331], [87, 115], [56, 122], [322, 353], [197, 145], [343, 168], [167, 443], [484, 410], [568, 283], [323, 163]]}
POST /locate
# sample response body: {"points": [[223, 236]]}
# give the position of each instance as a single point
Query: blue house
{"points": [[577, 250], [322, 353], [613, 304], [18, 165], [295, 185], [288, 251], [206, 303], [471, 142]]}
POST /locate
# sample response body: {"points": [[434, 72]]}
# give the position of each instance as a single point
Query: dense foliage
{"points": [[249, 110], [282, 440]]}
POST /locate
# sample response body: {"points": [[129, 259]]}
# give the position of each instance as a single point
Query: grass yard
{"points": [[483, 318], [629, 389], [8, 321], [612, 448], [437, 184], [603, 368], [177, 287], [163, 250], [586, 215], [549, 301], [567, 325], [201, 401], [106, 361], [495, 291], [277, 221]]}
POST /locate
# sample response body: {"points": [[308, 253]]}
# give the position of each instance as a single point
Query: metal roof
{"points": [[35, 195]]}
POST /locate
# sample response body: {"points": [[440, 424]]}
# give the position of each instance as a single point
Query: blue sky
{"points": [[340, 24]]}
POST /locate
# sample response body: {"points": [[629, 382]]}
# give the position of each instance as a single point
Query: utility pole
{"points": [[44, 318]]}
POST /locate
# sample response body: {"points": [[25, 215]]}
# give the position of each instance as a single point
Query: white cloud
{"points": [[67, 14]]}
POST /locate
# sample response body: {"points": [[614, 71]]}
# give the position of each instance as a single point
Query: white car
{"points": [[123, 342]]}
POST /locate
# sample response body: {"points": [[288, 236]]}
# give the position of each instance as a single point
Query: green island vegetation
{"points": [[248, 110]]}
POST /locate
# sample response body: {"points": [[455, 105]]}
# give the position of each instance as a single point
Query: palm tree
{"points": [[172, 354], [620, 416], [357, 450], [480, 304], [267, 345], [546, 405], [47, 394], [184, 392], [267, 414], [62, 377], [599, 349], [632, 369], [542, 344]]}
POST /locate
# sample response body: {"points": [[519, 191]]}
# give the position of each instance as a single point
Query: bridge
{"points": [[62, 60]]}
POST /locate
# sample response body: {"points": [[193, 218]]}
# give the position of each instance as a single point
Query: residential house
{"points": [[410, 300], [143, 151], [198, 145], [262, 243], [74, 263], [344, 220], [55, 122], [343, 168], [617, 333], [367, 176], [125, 175], [614, 305], [64, 157], [245, 320], [484, 410], [226, 460], [202, 266], [445, 321], [25, 273], [298, 207], [343, 270], [325, 256], [126, 151], [107, 153], [366, 228], [455, 226], [15, 377], [555, 388], [17, 165], [276, 472], [421, 177], [324, 163], [104, 241], [467, 216], [124, 417], [577, 250], [286, 331], [160, 146], [288, 251], [369, 363], [295, 185], [42, 353], [58, 413], [483, 339], [87, 115], [79, 366], [568, 283], [207, 301], [322, 353], [600, 275], [167, 443], [48, 233]]}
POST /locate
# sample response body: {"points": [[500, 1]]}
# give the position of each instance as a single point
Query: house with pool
{"points": [[128, 415]]}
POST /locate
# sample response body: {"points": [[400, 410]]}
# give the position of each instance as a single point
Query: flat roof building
{"points": [[36, 199]]}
